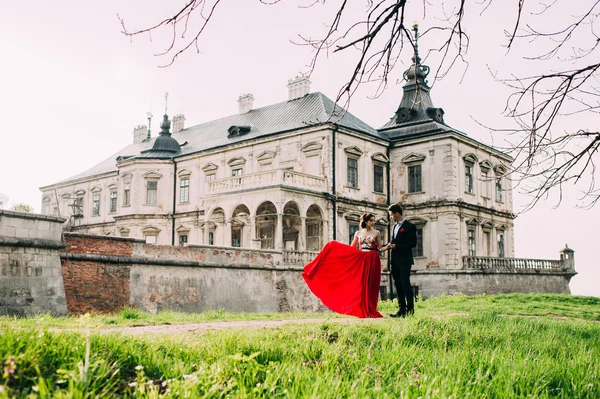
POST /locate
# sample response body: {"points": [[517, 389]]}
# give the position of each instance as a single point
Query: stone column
{"points": [[206, 231], [279, 233], [302, 243]]}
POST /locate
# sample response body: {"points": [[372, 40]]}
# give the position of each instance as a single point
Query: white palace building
{"points": [[293, 175]]}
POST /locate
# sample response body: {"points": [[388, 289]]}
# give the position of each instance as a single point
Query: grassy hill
{"points": [[505, 346]]}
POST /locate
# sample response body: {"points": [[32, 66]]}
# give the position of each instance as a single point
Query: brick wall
{"points": [[99, 245], [96, 286]]}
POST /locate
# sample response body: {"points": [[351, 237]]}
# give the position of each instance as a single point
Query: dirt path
{"points": [[218, 325]]}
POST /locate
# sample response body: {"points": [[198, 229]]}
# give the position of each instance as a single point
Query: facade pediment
{"points": [[473, 222], [353, 217], [266, 157], [354, 150], [152, 175], [470, 158], [413, 157], [312, 148], [96, 189], [112, 187], [183, 173], [210, 167], [382, 222], [46, 199], [68, 195], [380, 157], [79, 192], [487, 225], [500, 169], [151, 230], [182, 229], [485, 164], [236, 161], [418, 221]]}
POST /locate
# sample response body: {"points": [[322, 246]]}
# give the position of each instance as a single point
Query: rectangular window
{"points": [[113, 201], [487, 245], [78, 206], [378, 178], [267, 234], [414, 179], [127, 194], [313, 236], [211, 176], [96, 205], [499, 189], [236, 237], [418, 250], [237, 172], [150, 239], [152, 192], [471, 238], [500, 239], [352, 172], [485, 181], [183, 239], [469, 178], [352, 229], [211, 238], [184, 191]]}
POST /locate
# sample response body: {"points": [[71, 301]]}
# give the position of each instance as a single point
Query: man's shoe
{"points": [[410, 312], [398, 314]]}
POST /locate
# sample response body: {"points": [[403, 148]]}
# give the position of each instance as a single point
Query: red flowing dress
{"points": [[346, 279]]}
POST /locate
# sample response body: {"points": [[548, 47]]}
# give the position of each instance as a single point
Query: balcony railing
{"points": [[265, 179], [298, 257], [512, 264]]}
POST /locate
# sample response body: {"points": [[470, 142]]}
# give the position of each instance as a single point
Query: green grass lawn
{"points": [[454, 347]]}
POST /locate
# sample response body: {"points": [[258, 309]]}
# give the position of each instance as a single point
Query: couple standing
{"points": [[347, 278]]}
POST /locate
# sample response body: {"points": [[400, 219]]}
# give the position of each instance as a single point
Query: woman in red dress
{"points": [[347, 278]]}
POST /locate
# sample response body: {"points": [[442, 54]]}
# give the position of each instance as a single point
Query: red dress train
{"points": [[346, 279]]}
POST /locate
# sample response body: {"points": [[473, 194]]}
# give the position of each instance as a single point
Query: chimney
{"points": [[298, 87], [139, 133], [178, 123], [245, 103]]}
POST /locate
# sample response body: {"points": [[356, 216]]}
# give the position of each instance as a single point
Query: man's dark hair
{"points": [[396, 208]]}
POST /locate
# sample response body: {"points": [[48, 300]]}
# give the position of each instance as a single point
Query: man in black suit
{"points": [[404, 239]]}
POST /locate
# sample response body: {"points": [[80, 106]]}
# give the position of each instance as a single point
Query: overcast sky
{"points": [[73, 88]]}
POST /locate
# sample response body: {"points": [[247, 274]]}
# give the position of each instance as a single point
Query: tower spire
{"points": [[416, 59], [416, 106], [166, 99]]}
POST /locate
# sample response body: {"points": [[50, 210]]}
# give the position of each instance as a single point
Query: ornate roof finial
{"points": [[166, 98], [416, 59]]}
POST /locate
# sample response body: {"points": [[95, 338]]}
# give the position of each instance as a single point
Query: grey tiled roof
{"points": [[312, 109]]}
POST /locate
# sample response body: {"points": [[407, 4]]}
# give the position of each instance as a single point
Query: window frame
{"points": [[349, 168], [375, 178], [411, 189], [113, 198], [469, 173], [184, 188], [154, 190], [95, 204]]}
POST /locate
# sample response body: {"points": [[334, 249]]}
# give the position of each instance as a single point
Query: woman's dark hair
{"points": [[364, 219], [396, 208]]}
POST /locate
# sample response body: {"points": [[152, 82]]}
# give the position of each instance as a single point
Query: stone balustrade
{"points": [[298, 257], [265, 179], [513, 264]]}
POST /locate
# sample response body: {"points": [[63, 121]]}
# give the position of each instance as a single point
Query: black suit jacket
{"points": [[405, 241]]}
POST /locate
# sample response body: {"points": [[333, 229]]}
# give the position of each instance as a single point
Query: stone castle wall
{"points": [[30, 271], [105, 274]]}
